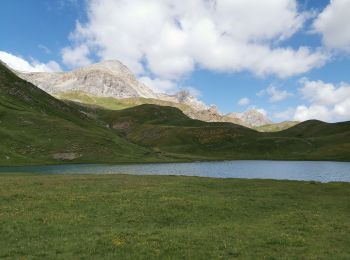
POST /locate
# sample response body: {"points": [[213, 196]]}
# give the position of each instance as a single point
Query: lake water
{"points": [[291, 170]]}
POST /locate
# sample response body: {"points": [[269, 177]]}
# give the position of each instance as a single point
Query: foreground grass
{"points": [[141, 217]]}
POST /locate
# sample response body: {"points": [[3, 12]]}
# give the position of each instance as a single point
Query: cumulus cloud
{"points": [[168, 86], [327, 101], [275, 94], [244, 101], [321, 93], [262, 111], [333, 24], [169, 38], [21, 64], [284, 115], [76, 57], [158, 85]]}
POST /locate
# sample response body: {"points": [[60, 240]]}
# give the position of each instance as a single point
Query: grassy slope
{"points": [[220, 141], [164, 217], [36, 128], [168, 129], [118, 104], [113, 103], [276, 127]]}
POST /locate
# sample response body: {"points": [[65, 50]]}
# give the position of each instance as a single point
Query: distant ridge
{"points": [[252, 117]]}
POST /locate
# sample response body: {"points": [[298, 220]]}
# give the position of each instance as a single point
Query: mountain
{"points": [[113, 79], [36, 128], [251, 117], [210, 114], [105, 79]]}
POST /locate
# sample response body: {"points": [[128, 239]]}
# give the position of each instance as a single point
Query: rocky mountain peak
{"points": [[109, 78], [214, 109], [110, 66], [184, 97], [252, 117]]}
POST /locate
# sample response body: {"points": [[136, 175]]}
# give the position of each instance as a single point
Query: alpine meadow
{"points": [[200, 129]]}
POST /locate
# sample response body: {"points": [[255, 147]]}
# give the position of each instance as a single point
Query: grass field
{"points": [[165, 217]]}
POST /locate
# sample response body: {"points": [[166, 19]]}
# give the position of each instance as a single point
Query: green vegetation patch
{"points": [[165, 217]]}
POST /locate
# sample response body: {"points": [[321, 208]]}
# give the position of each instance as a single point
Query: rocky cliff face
{"points": [[184, 97], [105, 79]]}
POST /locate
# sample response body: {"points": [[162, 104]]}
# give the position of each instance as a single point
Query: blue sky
{"points": [[223, 55]]}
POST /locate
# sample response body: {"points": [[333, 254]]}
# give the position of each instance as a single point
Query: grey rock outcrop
{"points": [[105, 79], [251, 117]]}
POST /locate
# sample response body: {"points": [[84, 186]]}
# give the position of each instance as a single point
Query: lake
{"points": [[322, 171]]}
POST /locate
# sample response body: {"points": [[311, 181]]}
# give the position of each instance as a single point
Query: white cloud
{"points": [[159, 85], [274, 93], [321, 93], [170, 38], [167, 86], [284, 115], [328, 102], [262, 111], [77, 56], [333, 23], [21, 64], [244, 101], [277, 95], [303, 113]]}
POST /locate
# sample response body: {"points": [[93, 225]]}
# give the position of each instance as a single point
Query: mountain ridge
{"points": [[112, 78], [252, 117]]}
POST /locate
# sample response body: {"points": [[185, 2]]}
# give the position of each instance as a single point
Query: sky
{"points": [[288, 58]]}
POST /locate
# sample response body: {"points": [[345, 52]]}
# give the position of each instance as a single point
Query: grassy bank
{"points": [[141, 217]]}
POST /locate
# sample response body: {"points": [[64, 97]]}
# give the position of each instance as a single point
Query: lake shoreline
{"points": [[87, 175], [321, 171], [168, 161]]}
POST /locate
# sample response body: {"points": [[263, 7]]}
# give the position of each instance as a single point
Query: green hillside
{"points": [[118, 104], [114, 103], [168, 130], [316, 128], [36, 128]]}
